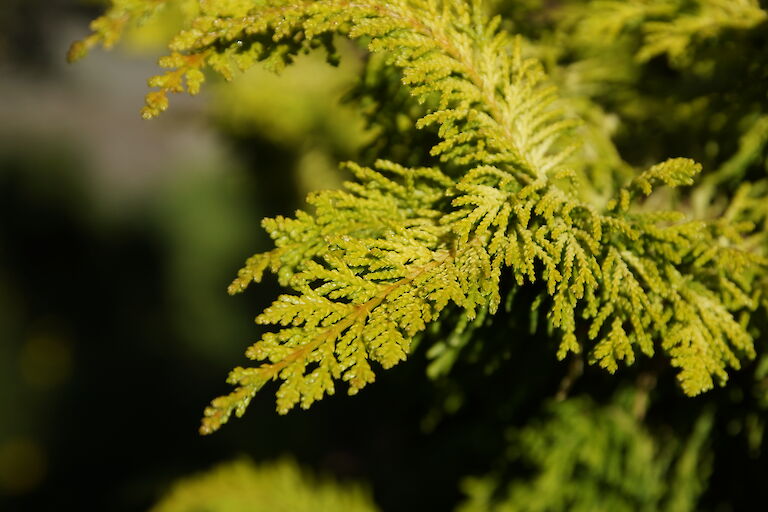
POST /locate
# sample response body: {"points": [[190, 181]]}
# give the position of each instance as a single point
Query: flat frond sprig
{"points": [[361, 296], [373, 264]]}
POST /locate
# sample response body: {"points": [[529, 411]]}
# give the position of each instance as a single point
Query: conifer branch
{"points": [[372, 265]]}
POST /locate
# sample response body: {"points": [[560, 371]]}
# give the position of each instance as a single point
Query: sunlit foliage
{"points": [[507, 195]]}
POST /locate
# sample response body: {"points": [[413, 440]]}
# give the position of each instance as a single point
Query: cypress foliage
{"points": [[537, 180]]}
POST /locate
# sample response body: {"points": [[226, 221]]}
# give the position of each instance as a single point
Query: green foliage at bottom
{"points": [[589, 458], [241, 486]]}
